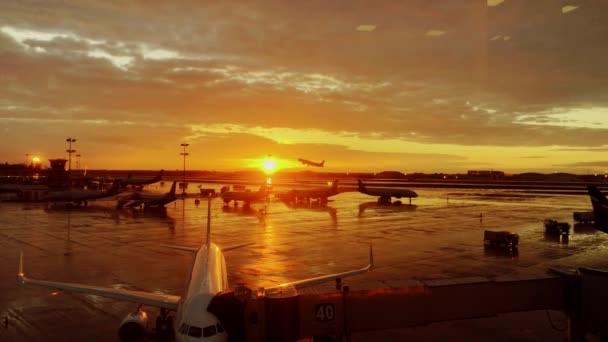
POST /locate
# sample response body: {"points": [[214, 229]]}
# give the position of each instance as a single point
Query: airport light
{"points": [[70, 151], [184, 145]]}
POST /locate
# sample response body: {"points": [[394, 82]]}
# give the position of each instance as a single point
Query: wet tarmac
{"points": [[439, 236]]}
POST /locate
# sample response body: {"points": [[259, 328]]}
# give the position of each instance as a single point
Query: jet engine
{"points": [[133, 327]]}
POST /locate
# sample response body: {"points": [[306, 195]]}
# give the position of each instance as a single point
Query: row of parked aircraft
{"points": [[80, 197], [207, 309], [321, 195]]}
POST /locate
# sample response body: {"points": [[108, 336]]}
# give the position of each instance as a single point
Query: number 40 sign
{"points": [[325, 312]]}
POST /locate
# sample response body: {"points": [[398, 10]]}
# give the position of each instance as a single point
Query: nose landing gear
{"points": [[164, 326]]}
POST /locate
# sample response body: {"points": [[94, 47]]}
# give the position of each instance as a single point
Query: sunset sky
{"points": [[429, 86]]}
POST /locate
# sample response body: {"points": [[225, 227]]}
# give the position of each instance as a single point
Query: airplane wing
{"points": [[140, 297], [194, 250], [183, 248], [326, 278], [237, 246]]}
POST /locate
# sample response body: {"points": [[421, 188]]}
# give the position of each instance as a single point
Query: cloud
{"points": [[510, 74], [583, 149], [598, 163]]}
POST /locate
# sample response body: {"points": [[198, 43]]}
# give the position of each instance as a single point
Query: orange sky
{"points": [[367, 86]]}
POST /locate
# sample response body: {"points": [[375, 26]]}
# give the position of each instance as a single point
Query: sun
{"points": [[269, 165], [36, 160]]}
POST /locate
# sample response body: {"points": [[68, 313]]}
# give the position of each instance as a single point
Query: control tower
{"points": [[58, 177]]}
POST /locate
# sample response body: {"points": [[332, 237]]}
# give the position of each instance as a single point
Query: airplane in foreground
{"points": [[140, 182], [207, 285], [600, 205], [245, 196], [147, 200], [386, 194], [79, 197], [319, 194], [311, 163]]}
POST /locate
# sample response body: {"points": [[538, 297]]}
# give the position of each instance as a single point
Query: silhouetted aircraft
{"points": [[80, 197], [141, 181], [319, 194], [148, 200], [385, 194], [600, 207], [205, 312], [311, 163], [245, 196]]}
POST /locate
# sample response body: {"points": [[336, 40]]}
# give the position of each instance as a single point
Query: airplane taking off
{"points": [[80, 197], [319, 194], [245, 196], [206, 289], [600, 205], [311, 163], [386, 194], [148, 200], [141, 181]]}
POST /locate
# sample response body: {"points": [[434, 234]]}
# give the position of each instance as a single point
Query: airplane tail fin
{"points": [[361, 185], [208, 242], [115, 188], [172, 191], [599, 203], [334, 185], [323, 162]]}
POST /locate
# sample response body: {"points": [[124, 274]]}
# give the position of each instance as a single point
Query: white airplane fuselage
{"points": [[207, 278]]}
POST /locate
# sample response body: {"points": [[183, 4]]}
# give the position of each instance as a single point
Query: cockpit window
{"points": [[195, 331], [209, 331]]}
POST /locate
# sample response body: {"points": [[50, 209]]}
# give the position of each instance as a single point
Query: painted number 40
{"points": [[325, 312]]}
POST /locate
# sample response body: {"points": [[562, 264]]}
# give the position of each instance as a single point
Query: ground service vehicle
{"points": [[500, 238]]}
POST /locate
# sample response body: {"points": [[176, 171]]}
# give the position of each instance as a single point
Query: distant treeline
{"points": [[24, 170]]}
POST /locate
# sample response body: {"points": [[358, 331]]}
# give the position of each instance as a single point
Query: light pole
{"points": [[78, 162], [27, 157], [70, 151], [184, 178]]}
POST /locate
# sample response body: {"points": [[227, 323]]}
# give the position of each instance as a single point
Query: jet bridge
{"points": [[335, 315]]}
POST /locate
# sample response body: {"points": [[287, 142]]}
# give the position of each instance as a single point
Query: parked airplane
{"points": [[600, 205], [141, 181], [386, 194], [206, 290], [311, 163], [148, 200], [245, 196], [319, 194], [20, 188], [79, 197]]}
